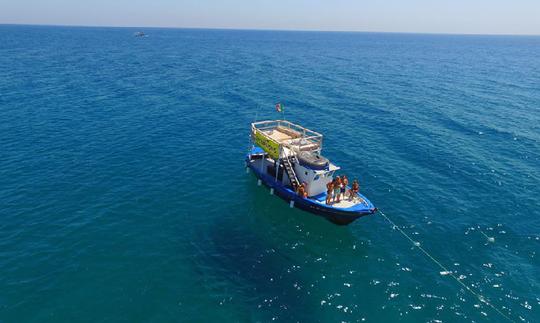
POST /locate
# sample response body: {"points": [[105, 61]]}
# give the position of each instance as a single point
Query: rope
{"points": [[480, 297], [490, 239]]}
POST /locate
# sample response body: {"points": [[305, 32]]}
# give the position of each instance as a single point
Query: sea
{"points": [[124, 195]]}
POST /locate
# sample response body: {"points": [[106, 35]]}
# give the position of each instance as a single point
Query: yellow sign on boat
{"points": [[268, 145]]}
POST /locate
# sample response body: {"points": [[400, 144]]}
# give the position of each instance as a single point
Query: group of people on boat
{"points": [[337, 189]]}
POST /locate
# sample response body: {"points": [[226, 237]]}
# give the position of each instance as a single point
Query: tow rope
{"points": [[445, 271]]}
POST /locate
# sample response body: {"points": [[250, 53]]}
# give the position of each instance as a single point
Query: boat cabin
{"points": [[295, 152]]}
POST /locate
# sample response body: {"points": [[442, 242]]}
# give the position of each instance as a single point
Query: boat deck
{"points": [[279, 135], [288, 134], [343, 203]]}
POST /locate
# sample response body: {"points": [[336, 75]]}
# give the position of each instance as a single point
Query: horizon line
{"points": [[273, 29]]}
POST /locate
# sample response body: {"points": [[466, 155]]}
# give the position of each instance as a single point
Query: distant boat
{"points": [[139, 34]]}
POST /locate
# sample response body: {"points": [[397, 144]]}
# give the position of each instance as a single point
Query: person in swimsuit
{"points": [[337, 189], [329, 191], [354, 189], [300, 190], [344, 182], [304, 186]]}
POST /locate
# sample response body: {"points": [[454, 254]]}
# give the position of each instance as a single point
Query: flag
{"points": [[279, 107]]}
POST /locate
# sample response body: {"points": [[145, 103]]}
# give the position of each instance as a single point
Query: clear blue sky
{"points": [[434, 16]]}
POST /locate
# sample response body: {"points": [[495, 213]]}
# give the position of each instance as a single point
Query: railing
{"points": [[272, 124], [306, 140]]}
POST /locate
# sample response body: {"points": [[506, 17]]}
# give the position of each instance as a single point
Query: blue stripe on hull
{"points": [[334, 215]]}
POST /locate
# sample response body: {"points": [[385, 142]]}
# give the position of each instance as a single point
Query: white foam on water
{"points": [[375, 282], [527, 305]]}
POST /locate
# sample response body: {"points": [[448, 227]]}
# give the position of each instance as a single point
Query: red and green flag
{"points": [[279, 107]]}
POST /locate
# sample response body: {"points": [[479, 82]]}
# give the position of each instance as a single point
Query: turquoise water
{"points": [[123, 194]]}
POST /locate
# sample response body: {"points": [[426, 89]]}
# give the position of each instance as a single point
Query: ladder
{"points": [[290, 171]]}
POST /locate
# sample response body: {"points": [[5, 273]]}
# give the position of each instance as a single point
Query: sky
{"points": [[425, 16]]}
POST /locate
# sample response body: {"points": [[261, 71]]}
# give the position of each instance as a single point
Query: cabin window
{"points": [[316, 177], [306, 173]]}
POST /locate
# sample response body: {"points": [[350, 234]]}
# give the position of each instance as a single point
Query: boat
{"points": [[139, 34], [284, 155]]}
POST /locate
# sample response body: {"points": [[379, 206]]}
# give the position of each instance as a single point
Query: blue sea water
{"points": [[123, 194]]}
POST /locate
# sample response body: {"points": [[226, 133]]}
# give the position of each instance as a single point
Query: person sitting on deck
{"points": [[304, 190], [329, 191], [344, 182], [301, 191], [354, 190], [337, 189]]}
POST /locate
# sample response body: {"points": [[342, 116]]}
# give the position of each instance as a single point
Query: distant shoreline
{"points": [[273, 30]]}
